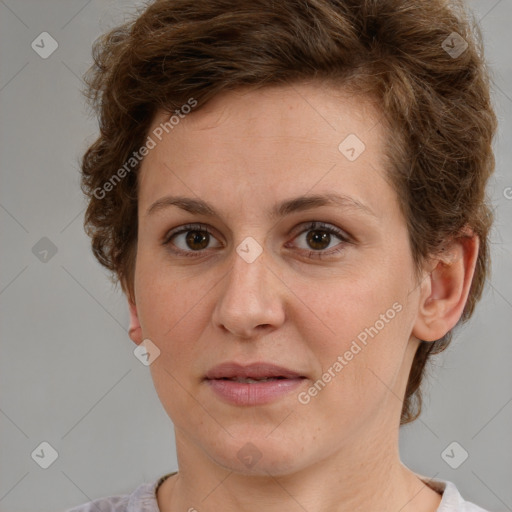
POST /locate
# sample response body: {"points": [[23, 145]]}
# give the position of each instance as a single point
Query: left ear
{"points": [[445, 290]]}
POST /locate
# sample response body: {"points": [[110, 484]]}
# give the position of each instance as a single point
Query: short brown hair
{"points": [[435, 103]]}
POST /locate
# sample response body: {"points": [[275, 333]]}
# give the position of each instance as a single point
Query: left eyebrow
{"points": [[297, 204]]}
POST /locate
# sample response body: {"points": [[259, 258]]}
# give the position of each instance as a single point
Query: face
{"points": [[324, 289]]}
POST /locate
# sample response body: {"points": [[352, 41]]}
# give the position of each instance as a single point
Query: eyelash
{"points": [[311, 226]]}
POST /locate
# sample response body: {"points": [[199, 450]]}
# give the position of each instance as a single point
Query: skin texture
{"points": [[243, 153]]}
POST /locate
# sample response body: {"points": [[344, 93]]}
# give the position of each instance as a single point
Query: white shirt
{"points": [[143, 499]]}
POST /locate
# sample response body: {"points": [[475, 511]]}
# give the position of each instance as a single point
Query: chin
{"points": [[257, 455]]}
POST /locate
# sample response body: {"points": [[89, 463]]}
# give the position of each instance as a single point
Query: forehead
{"points": [[269, 143]]}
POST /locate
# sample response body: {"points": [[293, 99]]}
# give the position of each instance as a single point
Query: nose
{"points": [[251, 299]]}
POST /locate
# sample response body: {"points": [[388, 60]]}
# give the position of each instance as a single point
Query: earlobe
{"points": [[135, 330], [445, 290]]}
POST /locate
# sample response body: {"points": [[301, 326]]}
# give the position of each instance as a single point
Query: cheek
{"points": [[163, 298], [358, 332], [172, 314], [173, 317], [350, 306]]}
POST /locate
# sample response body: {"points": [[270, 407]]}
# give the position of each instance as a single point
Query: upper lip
{"points": [[231, 370]]}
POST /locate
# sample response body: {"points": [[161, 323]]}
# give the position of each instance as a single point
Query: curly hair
{"points": [[421, 61]]}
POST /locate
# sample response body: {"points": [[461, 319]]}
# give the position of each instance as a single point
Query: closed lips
{"points": [[255, 372], [249, 380]]}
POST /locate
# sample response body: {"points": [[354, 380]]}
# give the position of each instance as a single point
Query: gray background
{"points": [[68, 375]]}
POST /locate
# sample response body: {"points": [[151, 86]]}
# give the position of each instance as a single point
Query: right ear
{"points": [[135, 330]]}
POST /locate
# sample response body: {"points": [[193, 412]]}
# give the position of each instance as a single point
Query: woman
{"points": [[292, 196]]}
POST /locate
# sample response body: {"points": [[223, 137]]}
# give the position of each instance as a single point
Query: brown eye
{"points": [[197, 240], [189, 239], [319, 238]]}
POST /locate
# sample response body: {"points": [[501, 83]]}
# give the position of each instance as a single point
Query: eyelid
{"points": [[195, 226], [320, 226]]}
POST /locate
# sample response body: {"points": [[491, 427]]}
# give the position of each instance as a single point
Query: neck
{"points": [[360, 476]]}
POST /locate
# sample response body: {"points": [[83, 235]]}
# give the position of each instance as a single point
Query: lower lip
{"points": [[257, 393]]}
